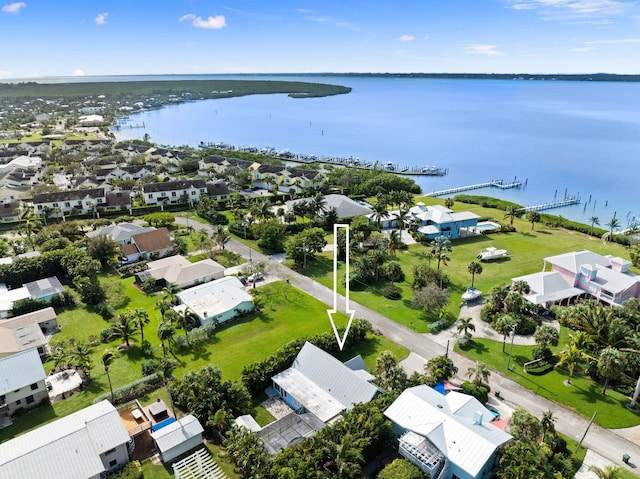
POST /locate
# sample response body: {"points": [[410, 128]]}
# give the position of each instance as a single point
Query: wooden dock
{"points": [[567, 201], [493, 183]]}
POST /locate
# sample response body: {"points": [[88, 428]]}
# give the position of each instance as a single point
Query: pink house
{"points": [[583, 273]]}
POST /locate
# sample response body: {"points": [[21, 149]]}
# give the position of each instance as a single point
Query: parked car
{"points": [[255, 277]]}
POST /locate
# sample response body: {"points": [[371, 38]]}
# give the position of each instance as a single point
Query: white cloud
{"points": [[312, 16], [101, 18], [613, 42], [4, 73], [560, 9], [78, 73], [477, 49], [14, 7], [407, 38], [213, 23]]}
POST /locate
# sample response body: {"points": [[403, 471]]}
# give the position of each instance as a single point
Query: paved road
{"points": [[603, 441]]}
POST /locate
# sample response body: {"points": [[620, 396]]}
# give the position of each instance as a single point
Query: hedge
{"points": [[132, 390]]}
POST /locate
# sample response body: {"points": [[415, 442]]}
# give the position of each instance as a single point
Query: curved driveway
{"points": [[603, 441]]}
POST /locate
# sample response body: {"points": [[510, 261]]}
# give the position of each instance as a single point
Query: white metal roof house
{"points": [[180, 271], [178, 438], [582, 273], [83, 445], [22, 382], [219, 300], [318, 383], [45, 289], [447, 436]]}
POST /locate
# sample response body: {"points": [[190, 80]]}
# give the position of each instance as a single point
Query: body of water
{"points": [[574, 138]]}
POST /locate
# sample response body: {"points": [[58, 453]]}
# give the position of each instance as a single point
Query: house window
{"points": [[163, 194], [110, 451], [55, 205], [34, 386], [150, 196], [29, 399], [39, 207], [174, 194], [113, 463], [193, 193], [67, 204], [99, 200], [79, 203], [18, 402]]}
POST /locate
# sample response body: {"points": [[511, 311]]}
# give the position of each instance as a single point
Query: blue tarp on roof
{"points": [[162, 424], [440, 388]]}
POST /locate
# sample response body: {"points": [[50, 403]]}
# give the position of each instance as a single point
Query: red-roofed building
{"points": [[150, 245]]}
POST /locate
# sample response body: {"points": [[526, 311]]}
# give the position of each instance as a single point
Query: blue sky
{"points": [[68, 37]]}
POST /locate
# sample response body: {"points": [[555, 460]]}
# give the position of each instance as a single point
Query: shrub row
{"points": [[132, 390], [256, 376]]}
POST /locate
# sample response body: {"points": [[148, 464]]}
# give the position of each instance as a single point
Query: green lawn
{"points": [[253, 338], [151, 471], [527, 249], [583, 396]]}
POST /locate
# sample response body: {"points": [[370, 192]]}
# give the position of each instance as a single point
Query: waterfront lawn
{"points": [[250, 339], [526, 247], [583, 396]]}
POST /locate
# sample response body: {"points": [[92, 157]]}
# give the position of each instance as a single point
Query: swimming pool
{"points": [[485, 226]]}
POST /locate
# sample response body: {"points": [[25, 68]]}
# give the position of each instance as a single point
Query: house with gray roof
{"points": [[88, 444], [27, 331], [62, 203], [121, 233], [180, 271], [178, 438], [446, 436], [23, 383], [344, 206], [320, 384]]}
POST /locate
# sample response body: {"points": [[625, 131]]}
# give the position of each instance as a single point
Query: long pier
{"points": [[567, 201], [493, 183]]}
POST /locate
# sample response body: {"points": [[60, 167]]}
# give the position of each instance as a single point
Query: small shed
{"points": [[178, 438]]}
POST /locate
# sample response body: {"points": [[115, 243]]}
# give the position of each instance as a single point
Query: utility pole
{"points": [[586, 431]]}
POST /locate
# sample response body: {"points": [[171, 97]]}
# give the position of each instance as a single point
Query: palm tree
{"points": [[594, 220], [547, 422], [609, 365], [441, 246], [140, 317], [606, 472], [171, 292], [571, 357], [474, 268], [465, 325], [220, 236], [512, 212], [480, 373], [166, 333], [393, 242], [80, 355], [504, 325], [533, 217], [107, 358], [612, 224], [261, 210], [317, 204], [399, 216], [449, 202], [188, 320], [163, 305], [521, 286], [124, 328], [380, 212]]}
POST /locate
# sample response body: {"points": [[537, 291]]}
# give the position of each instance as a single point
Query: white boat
{"points": [[471, 294], [492, 253]]}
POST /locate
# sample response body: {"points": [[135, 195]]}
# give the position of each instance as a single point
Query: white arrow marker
{"points": [[348, 311]]}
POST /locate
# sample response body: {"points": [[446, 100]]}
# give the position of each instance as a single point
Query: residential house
{"points": [[62, 203], [14, 192], [320, 384], [582, 274], [152, 245], [10, 210], [216, 301], [181, 272], [297, 180], [90, 120], [23, 384], [84, 145], [121, 233], [344, 206], [220, 164], [180, 191], [44, 289], [27, 332], [34, 147], [218, 191], [131, 149], [7, 154], [178, 438], [132, 172], [119, 200], [449, 437], [436, 220], [88, 444]]}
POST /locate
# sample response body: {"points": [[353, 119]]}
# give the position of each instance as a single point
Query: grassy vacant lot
{"points": [[286, 314], [583, 395], [527, 248]]}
